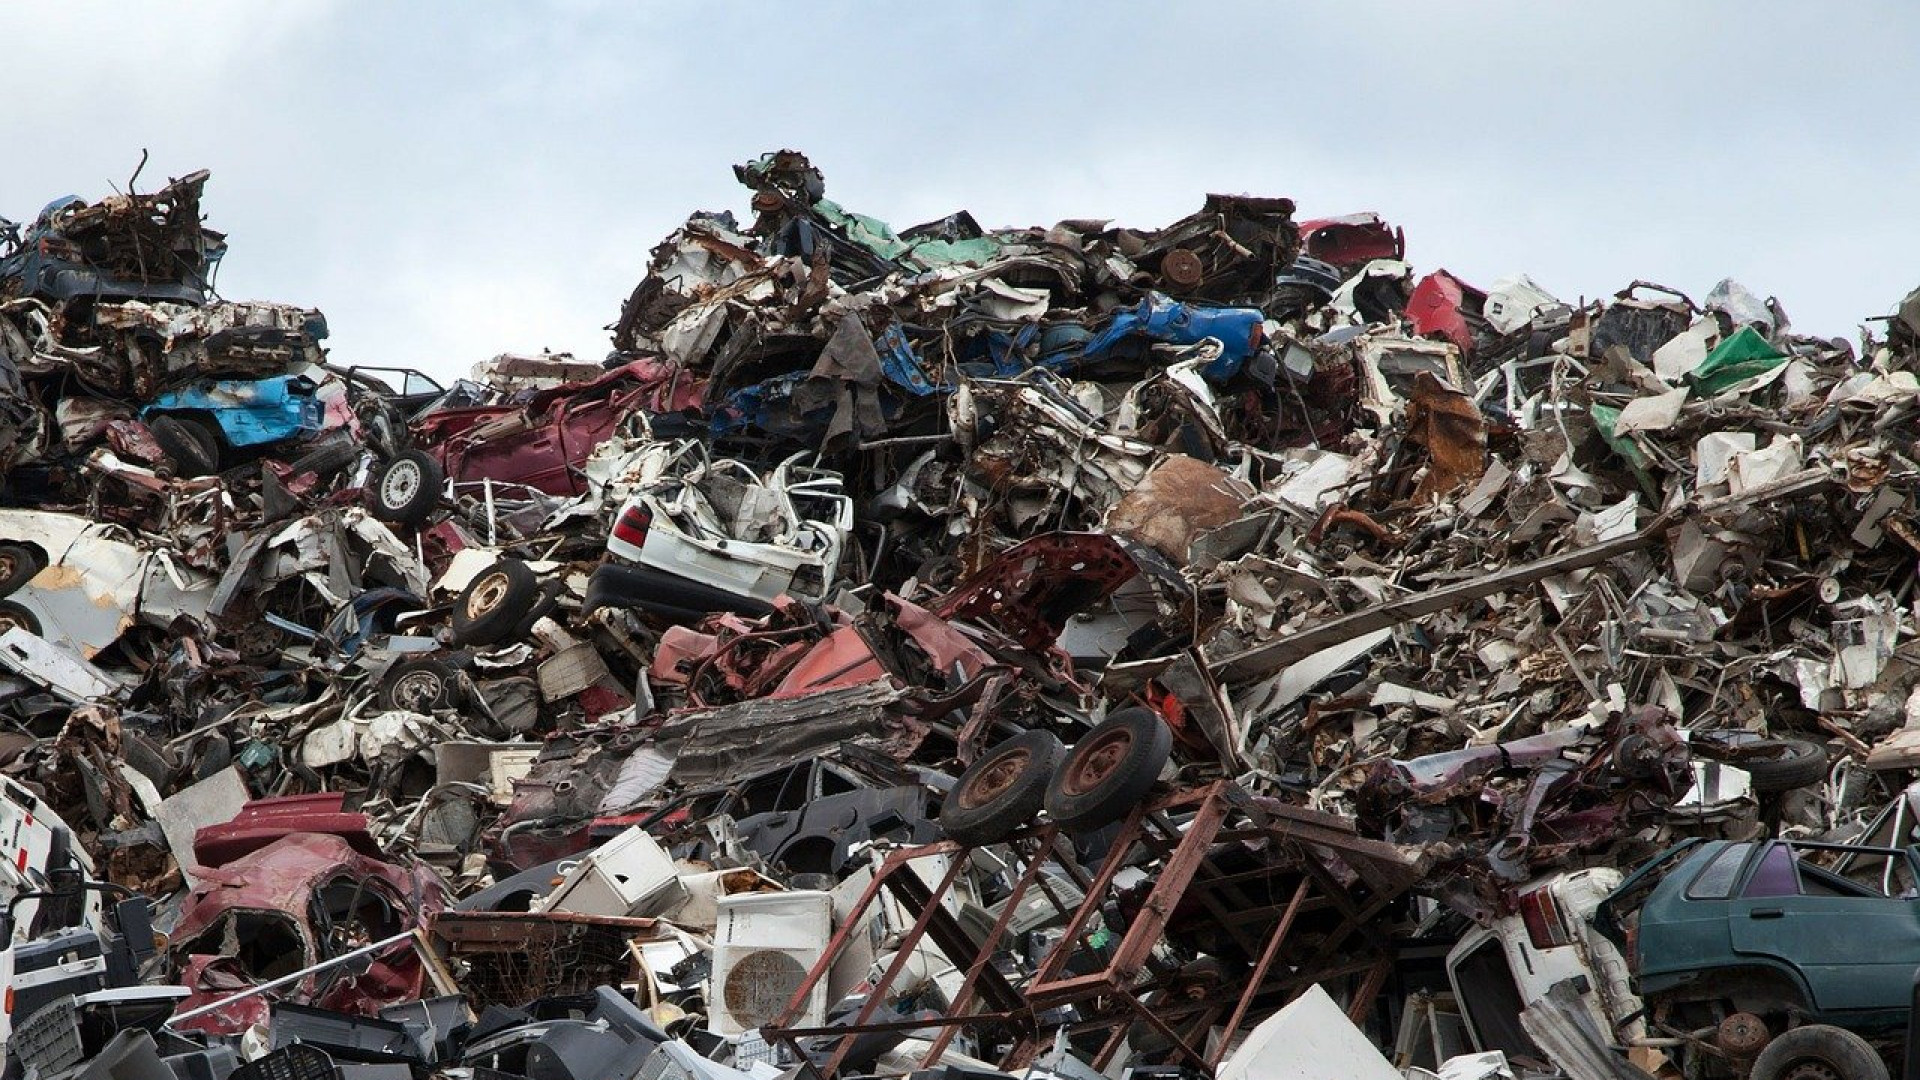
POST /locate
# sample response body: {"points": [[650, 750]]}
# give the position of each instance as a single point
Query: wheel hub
{"points": [[258, 639], [993, 781], [487, 595], [416, 691], [1811, 1069], [1742, 1035], [400, 484], [1094, 763]]}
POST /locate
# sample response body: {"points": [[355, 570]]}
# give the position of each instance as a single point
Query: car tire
{"points": [[18, 565], [419, 686], [12, 615], [406, 489], [545, 604], [325, 460], [1818, 1052], [1110, 770], [1789, 764], [494, 602], [1002, 790], [194, 449]]}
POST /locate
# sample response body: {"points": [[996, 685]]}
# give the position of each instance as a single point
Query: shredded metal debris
{"points": [[1219, 650]]}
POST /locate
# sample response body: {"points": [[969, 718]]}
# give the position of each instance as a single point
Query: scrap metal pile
{"points": [[1211, 650]]}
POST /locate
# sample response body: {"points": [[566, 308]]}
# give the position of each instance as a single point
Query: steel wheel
{"points": [[1091, 766], [996, 781], [489, 593], [417, 691]]}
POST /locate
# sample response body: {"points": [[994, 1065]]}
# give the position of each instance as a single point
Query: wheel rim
{"points": [[1094, 762], [8, 564], [416, 691], [259, 639], [10, 620], [994, 781], [487, 595], [400, 484]]}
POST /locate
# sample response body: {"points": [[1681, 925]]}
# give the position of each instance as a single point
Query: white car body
{"points": [[1607, 992], [781, 534], [97, 584]]}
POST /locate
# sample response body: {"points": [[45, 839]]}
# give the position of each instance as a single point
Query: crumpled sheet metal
{"points": [[265, 903], [709, 745], [1466, 568]]}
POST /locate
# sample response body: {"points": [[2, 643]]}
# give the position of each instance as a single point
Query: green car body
{"points": [[1783, 926]]}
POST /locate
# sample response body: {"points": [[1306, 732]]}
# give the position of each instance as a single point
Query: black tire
{"points": [[1109, 771], [325, 459], [18, 565], [544, 605], [418, 686], [494, 602], [1002, 790], [406, 489], [12, 615], [1783, 764], [1818, 1052], [195, 450]]}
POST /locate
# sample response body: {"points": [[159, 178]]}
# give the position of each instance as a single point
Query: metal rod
{"points": [[275, 984], [963, 998], [1259, 973], [909, 944], [906, 440]]}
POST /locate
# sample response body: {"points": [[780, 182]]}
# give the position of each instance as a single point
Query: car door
{"points": [[522, 447], [1856, 949], [584, 426]]}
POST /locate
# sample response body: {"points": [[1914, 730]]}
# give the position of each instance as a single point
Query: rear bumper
{"points": [[640, 588]]}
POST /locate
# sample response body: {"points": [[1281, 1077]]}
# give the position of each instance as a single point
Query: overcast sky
{"points": [[453, 180]]}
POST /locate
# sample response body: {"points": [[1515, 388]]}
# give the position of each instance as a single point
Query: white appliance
{"points": [[763, 947], [628, 875]]}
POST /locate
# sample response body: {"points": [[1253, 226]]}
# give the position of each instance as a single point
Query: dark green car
{"points": [[1788, 931]]}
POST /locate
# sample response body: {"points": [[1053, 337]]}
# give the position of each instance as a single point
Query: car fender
{"points": [[1716, 976]]}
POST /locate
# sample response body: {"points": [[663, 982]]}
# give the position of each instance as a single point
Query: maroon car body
{"points": [[543, 441], [1029, 591], [301, 899], [263, 821], [1351, 241], [1439, 307]]}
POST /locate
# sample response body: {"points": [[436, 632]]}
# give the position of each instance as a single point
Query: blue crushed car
{"points": [[124, 247], [1165, 321], [202, 424]]}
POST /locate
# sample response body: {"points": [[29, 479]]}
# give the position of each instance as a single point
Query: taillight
{"points": [[633, 524], [1542, 918]]}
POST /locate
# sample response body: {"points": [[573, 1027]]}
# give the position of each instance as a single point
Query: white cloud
{"points": [[449, 180]]}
